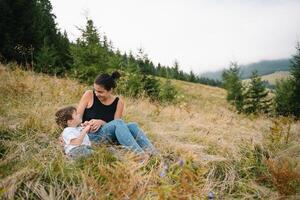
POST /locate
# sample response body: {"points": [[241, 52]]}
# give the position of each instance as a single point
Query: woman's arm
{"points": [[84, 101], [119, 110]]}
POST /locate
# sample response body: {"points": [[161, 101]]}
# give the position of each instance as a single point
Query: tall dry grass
{"points": [[205, 147]]}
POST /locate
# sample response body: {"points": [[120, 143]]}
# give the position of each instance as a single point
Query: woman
{"points": [[103, 111]]}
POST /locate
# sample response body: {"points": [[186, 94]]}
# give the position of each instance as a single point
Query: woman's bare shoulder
{"points": [[88, 94], [86, 100]]}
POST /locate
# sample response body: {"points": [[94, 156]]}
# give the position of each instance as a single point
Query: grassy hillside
{"points": [[205, 144], [272, 78]]}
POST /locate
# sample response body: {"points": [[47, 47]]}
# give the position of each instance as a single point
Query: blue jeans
{"points": [[80, 151], [126, 134]]}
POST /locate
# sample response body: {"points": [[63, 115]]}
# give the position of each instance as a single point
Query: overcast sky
{"points": [[203, 35]]}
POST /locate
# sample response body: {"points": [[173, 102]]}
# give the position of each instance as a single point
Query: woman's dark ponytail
{"points": [[115, 75], [107, 81]]}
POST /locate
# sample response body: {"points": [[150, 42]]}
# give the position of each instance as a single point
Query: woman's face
{"points": [[101, 92]]}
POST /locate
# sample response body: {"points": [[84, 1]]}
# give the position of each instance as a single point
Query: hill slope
{"points": [[272, 78], [263, 67], [205, 144]]}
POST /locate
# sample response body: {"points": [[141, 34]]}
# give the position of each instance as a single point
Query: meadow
{"points": [[206, 148]]}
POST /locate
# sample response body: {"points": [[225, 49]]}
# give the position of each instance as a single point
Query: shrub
{"points": [[130, 85], [151, 87], [285, 176], [137, 85], [279, 135], [167, 92], [86, 74]]}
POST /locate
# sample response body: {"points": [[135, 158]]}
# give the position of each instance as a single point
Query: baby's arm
{"points": [[79, 140]]}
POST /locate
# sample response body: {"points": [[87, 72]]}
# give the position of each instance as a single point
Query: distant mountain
{"points": [[263, 67]]}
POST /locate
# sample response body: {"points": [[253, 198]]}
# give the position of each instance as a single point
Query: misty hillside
{"points": [[263, 67]]}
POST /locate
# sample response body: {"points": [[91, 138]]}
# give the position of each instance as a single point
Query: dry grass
{"points": [[216, 146]]}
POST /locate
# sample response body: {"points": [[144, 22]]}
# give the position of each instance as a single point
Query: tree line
{"points": [[253, 96], [29, 36], [28, 30]]}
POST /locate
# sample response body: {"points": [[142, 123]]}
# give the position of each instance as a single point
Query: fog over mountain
{"points": [[263, 67]]}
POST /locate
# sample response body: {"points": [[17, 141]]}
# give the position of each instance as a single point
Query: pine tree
{"points": [[163, 72], [132, 66], [256, 100], [151, 86], [176, 69], [46, 59], [90, 35], [45, 30], [17, 34], [233, 84], [181, 75], [88, 54], [192, 77], [116, 61], [283, 97], [143, 62], [295, 72], [24, 26], [158, 70], [167, 92]]}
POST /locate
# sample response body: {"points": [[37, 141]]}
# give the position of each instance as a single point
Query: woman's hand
{"points": [[96, 124]]}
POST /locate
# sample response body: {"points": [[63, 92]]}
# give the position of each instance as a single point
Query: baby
{"points": [[76, 140]]}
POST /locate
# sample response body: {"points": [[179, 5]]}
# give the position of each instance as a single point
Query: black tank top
{"points": [[100, 111]]}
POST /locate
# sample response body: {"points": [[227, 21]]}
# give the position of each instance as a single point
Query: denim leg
{"points": [[116, 130], [105, 134], [80, 151], [95, 137], [140, 136], [125, 137]]}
